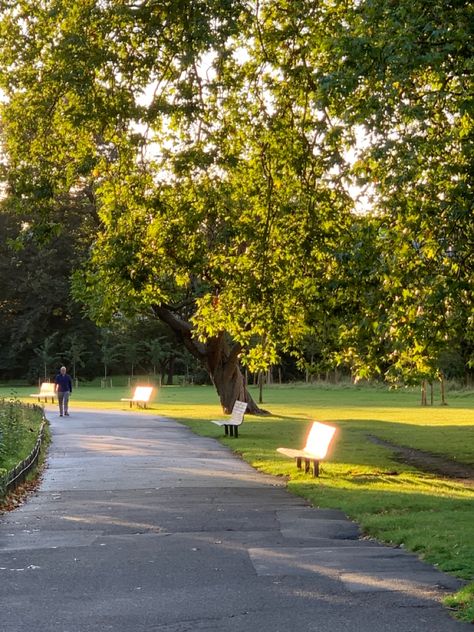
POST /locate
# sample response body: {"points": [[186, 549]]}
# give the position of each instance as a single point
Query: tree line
{"points": [[254, 175]]}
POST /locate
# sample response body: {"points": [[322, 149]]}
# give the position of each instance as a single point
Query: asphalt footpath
{"points": [[141, 526]]}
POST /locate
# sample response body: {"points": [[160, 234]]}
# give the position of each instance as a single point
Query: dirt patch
{"points": [[428, 462]]}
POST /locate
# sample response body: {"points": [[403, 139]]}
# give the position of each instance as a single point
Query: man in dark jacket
{"points": [[63, 388]]}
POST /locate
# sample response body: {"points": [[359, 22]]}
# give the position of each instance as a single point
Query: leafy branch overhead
{"points": [[223, 147]]}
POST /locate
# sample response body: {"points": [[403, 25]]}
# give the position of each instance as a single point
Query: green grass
{"points": [[463, 602], [19, 427], [392, 502]]}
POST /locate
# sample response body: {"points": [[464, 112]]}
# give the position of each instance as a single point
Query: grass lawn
{"points": [[392, 502]]}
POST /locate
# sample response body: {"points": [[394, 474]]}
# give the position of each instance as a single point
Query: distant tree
{"points": [[110, 350], [46, 354], [158, 352], [35, 270], [132, 351], [77, 353]]}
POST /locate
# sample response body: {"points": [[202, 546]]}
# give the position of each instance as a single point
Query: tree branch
{"points": [[183, 331]]}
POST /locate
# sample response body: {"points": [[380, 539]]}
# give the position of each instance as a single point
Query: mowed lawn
{"points": [[392, 501]]}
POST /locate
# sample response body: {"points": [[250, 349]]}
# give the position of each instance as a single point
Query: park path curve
{"points": [[141, 526]]}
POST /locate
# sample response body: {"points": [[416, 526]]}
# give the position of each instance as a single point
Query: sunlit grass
{"points": [[463, 603]]}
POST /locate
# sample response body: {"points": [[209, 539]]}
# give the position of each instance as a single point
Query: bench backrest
{"points": [[46, 387], [238, 411], [319, 438], [142, 393]]}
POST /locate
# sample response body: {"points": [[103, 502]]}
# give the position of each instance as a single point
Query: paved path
{"points": [[141, 526]]}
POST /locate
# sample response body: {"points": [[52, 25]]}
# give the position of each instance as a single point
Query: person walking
{"points": [[63, 388]]}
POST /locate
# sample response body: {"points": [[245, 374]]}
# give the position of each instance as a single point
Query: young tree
{"points": [[133, 352], [159, 350], [110, 350], [77, 353], [46, 353]]}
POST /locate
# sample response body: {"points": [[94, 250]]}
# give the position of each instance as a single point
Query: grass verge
{"points": [[462, 603], [19, 428]]}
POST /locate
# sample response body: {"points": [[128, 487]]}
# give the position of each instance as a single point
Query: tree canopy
{"points": [[220, 144]]}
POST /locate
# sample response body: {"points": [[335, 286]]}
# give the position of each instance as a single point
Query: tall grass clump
{"points": [[19, 425]]}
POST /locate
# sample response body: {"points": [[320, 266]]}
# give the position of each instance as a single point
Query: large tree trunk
{"points": [[230, 384], [443, 390], [218, 357], [171, 361], [424, 401]]}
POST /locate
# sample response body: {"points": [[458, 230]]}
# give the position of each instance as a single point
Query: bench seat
{"points": [[46, 390], [141, 396], [231, 425], [317, 444]]}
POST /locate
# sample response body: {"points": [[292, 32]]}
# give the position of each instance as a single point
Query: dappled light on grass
{"points": [[352, 477]]}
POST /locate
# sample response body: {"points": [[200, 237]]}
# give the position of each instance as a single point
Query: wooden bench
{"points": [[46, 390], [231, 425], [317, 444], [141, 396]]}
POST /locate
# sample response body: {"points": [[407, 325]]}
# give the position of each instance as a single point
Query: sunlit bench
{"points": [[317, 445], [141, 396], [46, 390], [231, 425]]}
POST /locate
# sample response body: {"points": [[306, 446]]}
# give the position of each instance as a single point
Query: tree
{"points": [[158, 350], [77, 352], [403, 73], [110, 350], [36, 262], [213, 138], [132, 351], [219, 231], [46, 354]]}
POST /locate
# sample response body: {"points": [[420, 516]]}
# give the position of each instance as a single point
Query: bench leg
{"points": [[226, 429], [236, 431], [306, 465], [298, 462], [316, 467]]}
